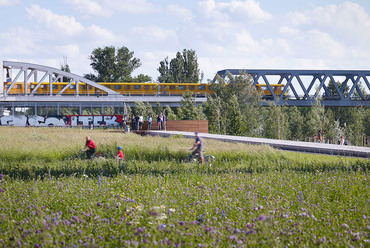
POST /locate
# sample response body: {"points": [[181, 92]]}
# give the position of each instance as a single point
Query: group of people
{"points": [[137, 122], [90, 149], [320, 139]]}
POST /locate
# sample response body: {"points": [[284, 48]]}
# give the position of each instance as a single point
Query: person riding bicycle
{"points": [[90, 147], [198, 146]]}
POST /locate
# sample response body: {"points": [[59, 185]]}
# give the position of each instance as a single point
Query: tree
{"points": [[169, 113], [239, 96], [113, 65], [65, 67], [276, 125], [315, 119], [141, 78], [234, 116], [356, 125], [164, 71], [181, 69], [296, 122], [188, 109]]}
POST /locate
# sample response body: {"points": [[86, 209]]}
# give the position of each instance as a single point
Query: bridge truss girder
{"points": [[51, 74], [346, 95]]}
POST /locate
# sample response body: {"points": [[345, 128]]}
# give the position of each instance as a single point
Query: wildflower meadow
{"points": [[251, 196]]}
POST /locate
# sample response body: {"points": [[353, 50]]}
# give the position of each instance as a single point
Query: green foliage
{"points": [[188, 109], [181, 69], [113, 65], [169, 113], [238, 97], [276, 124], [141, 78], [315, 119], [296, 123], [357, 125]]}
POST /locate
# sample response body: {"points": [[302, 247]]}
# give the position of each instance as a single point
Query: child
{"points": [[120, 156]]}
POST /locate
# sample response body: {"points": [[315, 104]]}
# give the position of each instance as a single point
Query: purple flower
{"points": [[1, 190], [98, 204], [262, 217], [181, 223], [37, 245], [1, 176]]}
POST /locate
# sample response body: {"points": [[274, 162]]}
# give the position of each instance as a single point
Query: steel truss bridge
{"points": [[351, 87], [303, 87]]}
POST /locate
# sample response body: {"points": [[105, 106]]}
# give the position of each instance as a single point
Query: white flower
{"points": [[162, 216]]}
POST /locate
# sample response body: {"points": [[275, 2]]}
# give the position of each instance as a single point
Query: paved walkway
{"points": [[298, 146]]}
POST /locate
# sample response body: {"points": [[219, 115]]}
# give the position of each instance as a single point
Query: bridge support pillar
{"points": [[1, 79]]}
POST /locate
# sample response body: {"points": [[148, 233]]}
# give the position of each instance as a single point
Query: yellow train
{"points": [[130, 88]]}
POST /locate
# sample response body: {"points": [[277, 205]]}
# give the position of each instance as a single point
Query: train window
{"points": [[32, 86], [55, 87], [90, 87], [117, 87], [191, 87], [164, 87], [42, 86], [201, 87], [19, 86], [7, 86], [72, 86], [83, 87], [182, 87], [153, 87], [146, 87], [172, 87], [127, 87], [264, 88], [137, 87]]}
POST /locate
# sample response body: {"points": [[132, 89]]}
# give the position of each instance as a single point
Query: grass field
{"points": [[252, 196]]}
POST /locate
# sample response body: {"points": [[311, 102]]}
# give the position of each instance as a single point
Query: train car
{"points": [[17, 89], [266, 93], [133, 88], [179, 89]]}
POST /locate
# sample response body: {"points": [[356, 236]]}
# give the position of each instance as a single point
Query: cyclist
{"points": [[90, 147], [198, 146]]}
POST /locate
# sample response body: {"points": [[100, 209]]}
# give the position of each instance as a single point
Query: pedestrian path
{"points": [[298, 146]]}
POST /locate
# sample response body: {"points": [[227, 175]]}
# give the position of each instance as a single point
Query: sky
{"points": [[237, 34]]}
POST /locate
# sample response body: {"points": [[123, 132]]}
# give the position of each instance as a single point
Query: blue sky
{"points": [[275, 34]]}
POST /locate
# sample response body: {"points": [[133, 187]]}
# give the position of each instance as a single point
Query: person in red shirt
{"points": [[120, 155], [90, 147]]}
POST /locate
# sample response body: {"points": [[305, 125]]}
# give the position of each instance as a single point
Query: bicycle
{"points": [[194, 158]]}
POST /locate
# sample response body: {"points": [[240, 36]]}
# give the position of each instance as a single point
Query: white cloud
{"points": [[248, 10], [348, 20], [89, 8], [69, 50], [12, 43], [106, 8], [154, 34], [9, 2], [179, 12], [63, 25]]}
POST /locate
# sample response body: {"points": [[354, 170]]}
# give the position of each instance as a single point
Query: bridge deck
{"points": [[298, 146]]}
